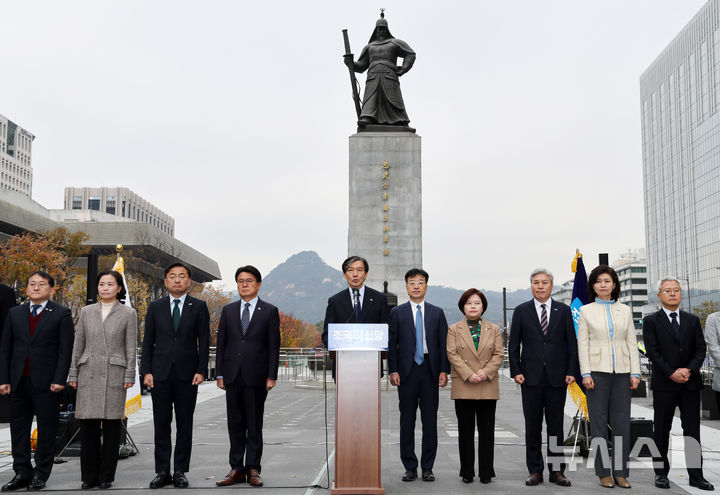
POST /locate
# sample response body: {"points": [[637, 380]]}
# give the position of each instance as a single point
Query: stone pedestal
{"points": [[385, 205]]}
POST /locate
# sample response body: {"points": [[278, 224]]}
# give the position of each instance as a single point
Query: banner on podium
{"points": [[358, 336]]}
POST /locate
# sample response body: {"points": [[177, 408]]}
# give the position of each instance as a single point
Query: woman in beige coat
{"points": [[102, 369], [475, 351], [610, 367]]}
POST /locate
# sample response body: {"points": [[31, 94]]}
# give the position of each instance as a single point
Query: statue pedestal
{"points": [[385, 203]]}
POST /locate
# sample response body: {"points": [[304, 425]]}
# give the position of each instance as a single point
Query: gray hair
{"points": [[538, 271], [667, 279]]}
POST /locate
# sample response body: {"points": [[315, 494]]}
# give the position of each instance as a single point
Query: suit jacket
{"points": [[374, 309], [594, 346], [668, 353], [103, 359], [7, 301], [712, 338], [188, 348], [466, 360], [529, 351], [49, 349], [401, 344], [253, 357]]}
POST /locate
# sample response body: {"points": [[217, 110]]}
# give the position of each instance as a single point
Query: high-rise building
{"points": [[15, 157], [680, 107], [631, 269], [119, 201]]}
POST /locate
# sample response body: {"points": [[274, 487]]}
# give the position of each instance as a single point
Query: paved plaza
{"points": [[295, 449]]}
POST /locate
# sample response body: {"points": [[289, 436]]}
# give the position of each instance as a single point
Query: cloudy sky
{"points": [[234, 117]]}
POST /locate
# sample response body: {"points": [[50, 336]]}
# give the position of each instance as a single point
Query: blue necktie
{"points": [[245, 318], [35, 308], [419, 336]]}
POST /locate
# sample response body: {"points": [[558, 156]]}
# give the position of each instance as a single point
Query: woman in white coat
{"points": [[102, 369], [610, 367]]}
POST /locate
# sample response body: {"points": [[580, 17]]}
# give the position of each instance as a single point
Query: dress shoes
{"points": [[105, 485], [161, 480], [622, 482], [410, 475], [180, 480], [662, 481], [37, 483], [427, 475], [701, 483], [87, 485], [485, 481], [15, 484], [607, 482], [467, 479], [534, 479], [233, 477], [253, 478], [559, 478]]}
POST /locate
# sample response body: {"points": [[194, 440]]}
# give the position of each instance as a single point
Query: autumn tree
{"points": [[215, 299], [140, 297], [705, 309], [76, 295], [297, 333]]}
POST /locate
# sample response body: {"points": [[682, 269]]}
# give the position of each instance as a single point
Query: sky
{"points": [[234, 118]]}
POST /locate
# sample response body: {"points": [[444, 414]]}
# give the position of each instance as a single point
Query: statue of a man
{"points": [[383, 101]]}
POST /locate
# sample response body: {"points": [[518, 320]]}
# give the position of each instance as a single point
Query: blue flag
{"points": [[580, 293]]}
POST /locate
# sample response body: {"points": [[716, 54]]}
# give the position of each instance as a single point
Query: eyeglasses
{"points": [[416, 284], [172, 276], [248, 281], [37, 284], [671, 291]]}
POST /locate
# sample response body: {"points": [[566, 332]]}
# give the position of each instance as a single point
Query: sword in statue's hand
{"points": [[351, 67]]}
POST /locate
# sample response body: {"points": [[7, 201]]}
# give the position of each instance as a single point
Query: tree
{"points": [[76, 295], [705, 309], [297, 333], [140, 297], [215, 299]]}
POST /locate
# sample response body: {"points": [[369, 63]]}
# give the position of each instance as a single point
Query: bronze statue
{"points": [[382, 104]]}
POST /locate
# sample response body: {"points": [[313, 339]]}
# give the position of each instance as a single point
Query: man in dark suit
{"points": [[35, 353], [418, 364], [357, 303], [7, 301], [174, 362], [545, 365], [248, 352], [675, 344]]}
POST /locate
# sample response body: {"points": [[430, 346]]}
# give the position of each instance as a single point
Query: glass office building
{"points": [[680, 106]]}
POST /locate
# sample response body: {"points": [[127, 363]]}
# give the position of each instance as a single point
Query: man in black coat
{"points": [[542, 351], [358, 303], [7, 301], [248, 352], [35, 353], [174, 362], [675, 345]]}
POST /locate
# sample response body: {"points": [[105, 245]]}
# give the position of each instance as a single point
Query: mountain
{"points": [[302, 285]]}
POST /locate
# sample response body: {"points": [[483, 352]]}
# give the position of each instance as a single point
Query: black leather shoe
{"points": [[662, 481], [701, 483], [427, 475], [105, 485], [467, 479], [87, 485], [485, 481], [180, 481], [410, 475], [37, 483], [161, 480], [15, 484]]}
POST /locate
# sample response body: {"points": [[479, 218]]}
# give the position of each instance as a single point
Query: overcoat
{"points": [[103, 359], [466, 360]]}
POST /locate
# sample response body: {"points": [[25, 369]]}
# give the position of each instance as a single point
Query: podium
{"points": [[357, 406]]}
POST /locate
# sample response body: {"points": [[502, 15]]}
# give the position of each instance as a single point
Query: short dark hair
{"points": [[467, 295], [45, 275], [592, 279], [175, 265], [352, 259], [118, 278], [416, 271], [251, 270]]}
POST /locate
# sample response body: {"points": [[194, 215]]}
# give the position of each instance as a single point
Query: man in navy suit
{"points": [[543, 360], [35, 352], [248, 352], [418, 364], [676, 347], [174, 362]]}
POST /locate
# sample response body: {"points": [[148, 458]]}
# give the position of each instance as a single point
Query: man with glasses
{"points": [[676, 347], [35, 352], [248, 352], [418, 365], [174, 362]]}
